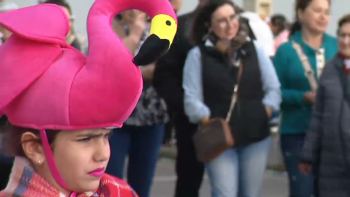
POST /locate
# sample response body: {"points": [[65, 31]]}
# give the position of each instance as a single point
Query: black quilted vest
{"points": [[249, 121]]}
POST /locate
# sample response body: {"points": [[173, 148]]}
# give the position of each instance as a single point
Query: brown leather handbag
{"points": [[216, 137]]}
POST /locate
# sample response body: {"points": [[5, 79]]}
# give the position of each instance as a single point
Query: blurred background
{"points": [[81, 8], [166, 179]]}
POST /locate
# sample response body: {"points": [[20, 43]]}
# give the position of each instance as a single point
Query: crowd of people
{"points": [[225, 63]]}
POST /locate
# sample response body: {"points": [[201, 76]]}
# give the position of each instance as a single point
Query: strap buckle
{"points": [[235, 89], [309, 73]]}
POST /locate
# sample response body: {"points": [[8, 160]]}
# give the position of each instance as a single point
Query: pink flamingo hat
{"points": [[47, 84]]}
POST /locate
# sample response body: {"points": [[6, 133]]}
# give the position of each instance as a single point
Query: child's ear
{"points": [[32, 147]]}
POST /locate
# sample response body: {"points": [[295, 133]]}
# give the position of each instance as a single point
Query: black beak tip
{"points": [[140, 60], [151, 50], [136, 61]]}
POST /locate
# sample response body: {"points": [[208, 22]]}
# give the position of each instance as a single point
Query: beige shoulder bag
{"points": [[309, 72]]}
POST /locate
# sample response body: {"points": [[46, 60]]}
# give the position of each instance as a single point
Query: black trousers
{"points": [[168, 133], [5, 171], [188, 169]]}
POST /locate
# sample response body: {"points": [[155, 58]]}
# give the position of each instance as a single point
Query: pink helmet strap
{"points": [[51, 161]]}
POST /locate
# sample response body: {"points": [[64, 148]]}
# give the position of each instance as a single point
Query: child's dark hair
{"points": [[14, 138], [280, 21]]}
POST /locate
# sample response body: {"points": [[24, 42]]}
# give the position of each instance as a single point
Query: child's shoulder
{"points": [[3, 194], [116, 187]]}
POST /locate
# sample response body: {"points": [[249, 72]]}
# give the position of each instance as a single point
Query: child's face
{"points": [[81, 158]]}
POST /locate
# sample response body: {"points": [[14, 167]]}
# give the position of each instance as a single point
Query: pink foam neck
{"points": [[51, 161]]}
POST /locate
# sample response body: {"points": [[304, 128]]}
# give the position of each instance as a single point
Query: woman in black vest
{"points": [[210, 74]]}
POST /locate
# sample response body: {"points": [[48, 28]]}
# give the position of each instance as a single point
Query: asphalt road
{"points": [[275, 184]]}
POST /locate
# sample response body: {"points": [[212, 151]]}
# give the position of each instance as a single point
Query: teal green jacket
{"points": [[296, 113]]}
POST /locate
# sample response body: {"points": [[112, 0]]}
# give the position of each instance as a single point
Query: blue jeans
{"points": [[239, 171], [142, 145], [299, 185]]}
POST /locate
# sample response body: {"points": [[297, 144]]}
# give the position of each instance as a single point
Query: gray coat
{"points": [[328, 140]]}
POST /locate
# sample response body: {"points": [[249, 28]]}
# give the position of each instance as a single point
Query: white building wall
{"points": [[81, 8], [189, 5]]}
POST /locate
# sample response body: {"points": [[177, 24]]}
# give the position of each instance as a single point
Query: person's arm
{"points": [[289, 96], [195, 109], [132, 40], [147, 72], [313, 135], [271, 85]]}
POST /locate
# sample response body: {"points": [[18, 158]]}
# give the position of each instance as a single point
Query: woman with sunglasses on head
{"points": [[224, 56], [140, 139]]}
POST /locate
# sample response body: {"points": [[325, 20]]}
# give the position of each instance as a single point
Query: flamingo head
{"points": [[163, 30]]}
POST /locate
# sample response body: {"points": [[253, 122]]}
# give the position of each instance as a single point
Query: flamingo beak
{"points": [[152, 49], [163, 30]]}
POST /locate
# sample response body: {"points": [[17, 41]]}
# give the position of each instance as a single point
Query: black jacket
{"points": [[167, 79]]}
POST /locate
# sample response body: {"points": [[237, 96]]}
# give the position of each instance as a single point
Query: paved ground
{"points": [[275, 184]]}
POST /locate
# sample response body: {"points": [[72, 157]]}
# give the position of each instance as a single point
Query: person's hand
{"points": [[310, 97], [223, 46], [305, 168], [138, 24], [147, 72], [268, 112], [205, 121]]}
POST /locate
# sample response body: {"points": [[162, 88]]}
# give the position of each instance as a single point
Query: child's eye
{"points": [[108, 136], [85, 139]]}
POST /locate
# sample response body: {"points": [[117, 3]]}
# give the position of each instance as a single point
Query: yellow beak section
{"points": [[164, 27], [161, 37]]}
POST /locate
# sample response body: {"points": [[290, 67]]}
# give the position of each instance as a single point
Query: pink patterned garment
{"points": [[281, 38], [25, 182]]}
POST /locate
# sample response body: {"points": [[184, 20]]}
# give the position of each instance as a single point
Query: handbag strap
{"points": [[233, 102], [235, 95], [309, 72]]}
